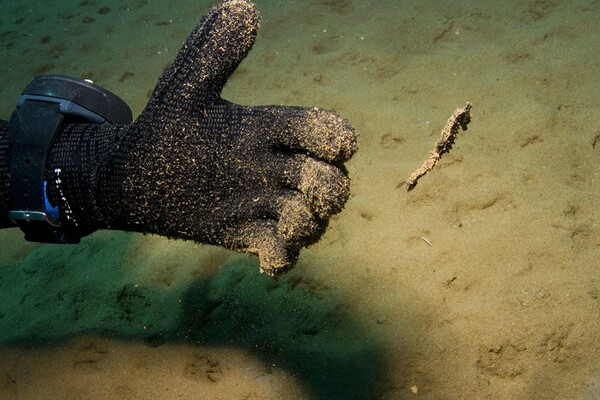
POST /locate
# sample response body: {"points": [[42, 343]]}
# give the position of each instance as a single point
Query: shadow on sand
{"points": [[288, 323]]}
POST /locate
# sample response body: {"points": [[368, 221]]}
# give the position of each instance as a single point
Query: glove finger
{"points": [[210, 54], [296, 222], [325, 187], [321, 133], [263, 239]]}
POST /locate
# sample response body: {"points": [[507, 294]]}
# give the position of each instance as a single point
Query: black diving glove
{"points": [[262, 179]]}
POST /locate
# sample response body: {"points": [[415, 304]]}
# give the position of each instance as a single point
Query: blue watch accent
{"points": [[50, 211]]}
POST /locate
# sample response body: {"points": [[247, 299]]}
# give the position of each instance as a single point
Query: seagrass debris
{"points": [[460, 118]]}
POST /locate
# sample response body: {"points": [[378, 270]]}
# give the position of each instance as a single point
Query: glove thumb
{"points": [[209, 56]]}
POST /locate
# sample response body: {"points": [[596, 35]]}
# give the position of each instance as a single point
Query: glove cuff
{"points": [[75, 174]]}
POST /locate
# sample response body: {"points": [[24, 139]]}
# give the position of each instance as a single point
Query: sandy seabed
{"points": [[502, 303]]}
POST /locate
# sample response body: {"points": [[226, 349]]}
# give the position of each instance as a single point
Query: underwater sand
{"points": [[504, 304]]}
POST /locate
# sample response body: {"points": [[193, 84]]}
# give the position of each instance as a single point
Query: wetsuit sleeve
{"points": [[4, 166]]}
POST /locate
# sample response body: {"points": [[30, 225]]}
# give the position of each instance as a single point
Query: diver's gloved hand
{"points": [[258, 179]]}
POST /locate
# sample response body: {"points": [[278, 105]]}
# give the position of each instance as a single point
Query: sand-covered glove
{"points": [[262, 179]]}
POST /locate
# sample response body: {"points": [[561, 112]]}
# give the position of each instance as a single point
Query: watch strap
{"points": [[32, 129]]}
